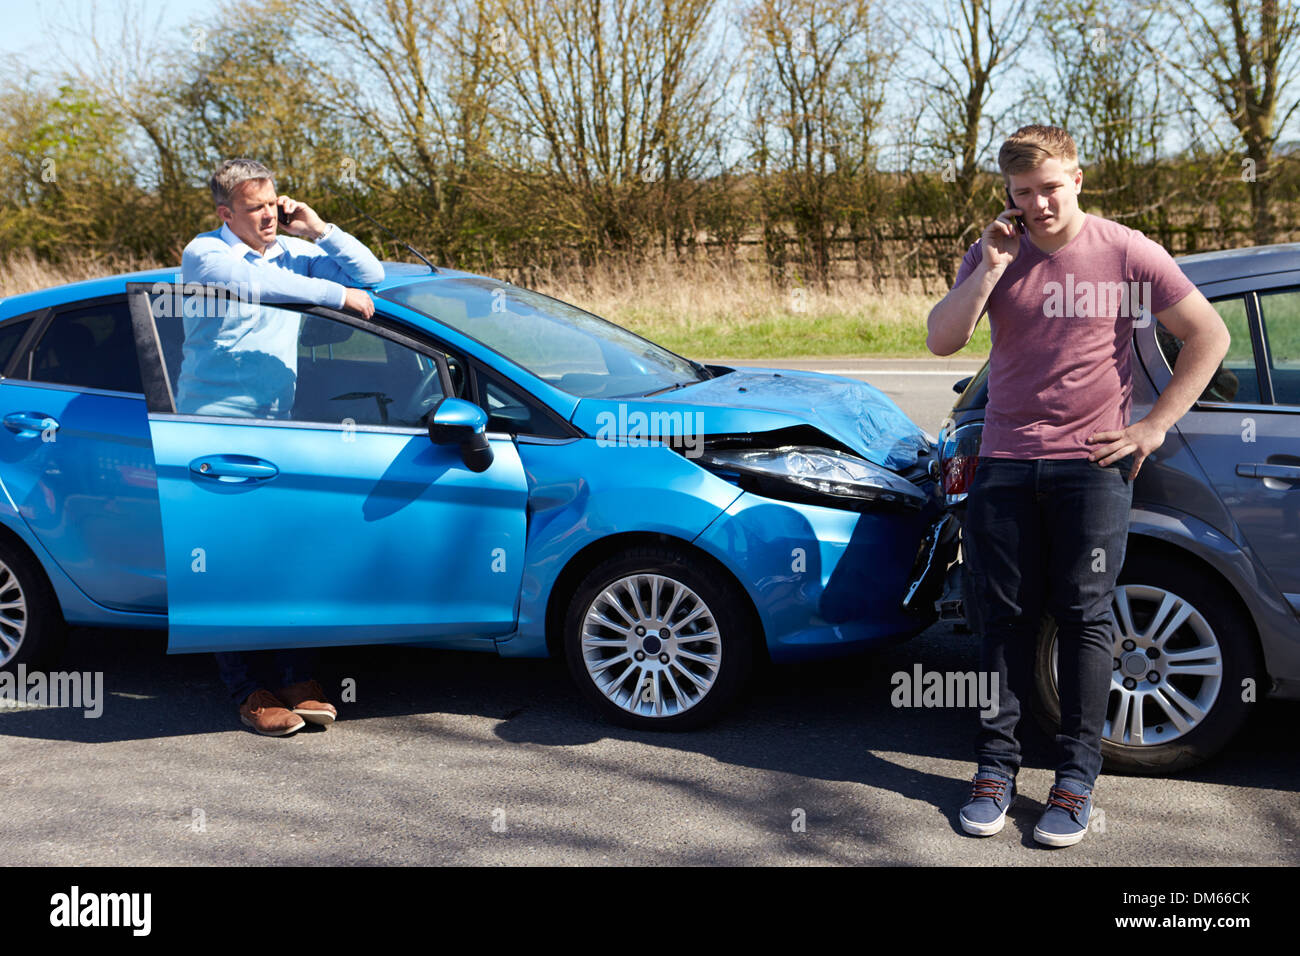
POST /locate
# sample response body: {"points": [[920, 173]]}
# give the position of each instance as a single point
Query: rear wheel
{"points": [[31, 626], [658, 640], [1182, 655]]}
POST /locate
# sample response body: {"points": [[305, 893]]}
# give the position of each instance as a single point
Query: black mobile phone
{"points": [[1020, 222]]}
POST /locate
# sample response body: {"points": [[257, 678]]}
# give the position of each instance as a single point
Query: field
{"points": [[702, 310]]}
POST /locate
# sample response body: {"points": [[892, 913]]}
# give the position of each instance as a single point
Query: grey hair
{"points": [[230, 174]]}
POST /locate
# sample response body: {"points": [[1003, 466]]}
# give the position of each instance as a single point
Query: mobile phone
{"points": [[1020, 222], [281, 215]]}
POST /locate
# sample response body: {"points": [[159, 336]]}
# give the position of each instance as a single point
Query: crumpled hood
{"points": [[760, 400]]}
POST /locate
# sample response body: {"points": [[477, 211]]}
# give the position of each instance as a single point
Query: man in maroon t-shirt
{"points": [[1047, 514]]}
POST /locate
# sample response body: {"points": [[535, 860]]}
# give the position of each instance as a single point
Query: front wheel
{"points": [[657, 640], [1183, 657]]}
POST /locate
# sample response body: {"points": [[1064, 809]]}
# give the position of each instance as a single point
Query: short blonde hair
{"points": [[1030, 146]]}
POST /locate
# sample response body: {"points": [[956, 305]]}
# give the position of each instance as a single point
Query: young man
{"points": [[241, 361], [1047, 514]]}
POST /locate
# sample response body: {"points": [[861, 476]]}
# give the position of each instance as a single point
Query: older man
{"points": [[238, 362]]}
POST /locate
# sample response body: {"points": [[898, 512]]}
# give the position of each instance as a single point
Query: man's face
{"points": [[1048, 196], [251, 214]]}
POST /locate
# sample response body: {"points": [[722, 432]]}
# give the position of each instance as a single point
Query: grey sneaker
{"points": [[1065, 821], [991, 794]]}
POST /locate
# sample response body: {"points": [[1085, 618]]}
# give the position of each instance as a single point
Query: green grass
{"points": [[865, 331]]}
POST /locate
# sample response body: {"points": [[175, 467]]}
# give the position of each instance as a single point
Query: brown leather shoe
{"points": [[307, 700], [266, 714]]}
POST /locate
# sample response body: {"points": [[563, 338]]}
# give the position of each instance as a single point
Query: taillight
{"points": [[958, 457]]}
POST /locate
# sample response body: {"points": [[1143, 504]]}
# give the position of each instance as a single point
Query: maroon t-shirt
{"points": [[1061, 325]]}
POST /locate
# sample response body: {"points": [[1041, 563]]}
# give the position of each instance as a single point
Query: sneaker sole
{"points": [[1058, 839], [321, 718], [983, 829], [272, 733]]}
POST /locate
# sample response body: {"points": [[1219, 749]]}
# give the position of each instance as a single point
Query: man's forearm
{"points": [[1197, 362], [952, 321], [211, 262], [347, 260]]}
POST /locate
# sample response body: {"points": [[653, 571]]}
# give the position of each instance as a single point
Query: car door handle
{"points": [[1252, 469], [239, 469], [30, 422]]}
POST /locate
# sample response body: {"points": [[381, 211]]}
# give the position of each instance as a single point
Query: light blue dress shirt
{"points": [[240, 357]]}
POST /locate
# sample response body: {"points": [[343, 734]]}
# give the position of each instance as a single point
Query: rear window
{"points": [[10, 336], [91, 347]]}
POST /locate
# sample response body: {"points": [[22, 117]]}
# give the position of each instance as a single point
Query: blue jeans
{"points": [[1046, 535], [245, 671]]}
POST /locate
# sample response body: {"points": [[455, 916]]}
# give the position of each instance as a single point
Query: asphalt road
{"points": [[460, 758]]}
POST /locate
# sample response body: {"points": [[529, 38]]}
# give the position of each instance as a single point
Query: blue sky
{"points": [[28, 26]]}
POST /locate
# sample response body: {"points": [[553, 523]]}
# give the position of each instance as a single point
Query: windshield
{"points": [[573, 350]]}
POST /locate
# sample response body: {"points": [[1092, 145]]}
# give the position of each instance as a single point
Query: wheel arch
{"points": [[596, 552], [1169, 550], [15, 540]]}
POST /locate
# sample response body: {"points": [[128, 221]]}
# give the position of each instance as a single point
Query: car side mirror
{"points": [[455, 421], [960, 386]]}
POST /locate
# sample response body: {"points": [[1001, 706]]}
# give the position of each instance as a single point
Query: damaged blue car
{"points": [[477, 467]]}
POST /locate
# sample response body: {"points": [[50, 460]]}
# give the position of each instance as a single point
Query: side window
{"points": [[509, 410], [91, 347], [1280, 312], [10, 336], [1236, 379], [241, 360]]}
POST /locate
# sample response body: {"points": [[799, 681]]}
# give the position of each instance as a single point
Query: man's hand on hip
{"points": [[1140, 439], [358, 301]]}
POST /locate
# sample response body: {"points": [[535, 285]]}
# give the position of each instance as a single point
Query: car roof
{"points": [[1207, 267], [395, 274]]}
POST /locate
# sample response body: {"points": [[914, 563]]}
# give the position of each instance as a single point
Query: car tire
{"points": [[1188, 716], [688, 672], [32, 630]]}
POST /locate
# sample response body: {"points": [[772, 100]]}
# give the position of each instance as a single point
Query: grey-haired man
{"points": [[316, 263]]}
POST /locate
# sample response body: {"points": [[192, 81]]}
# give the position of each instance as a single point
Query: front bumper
{"points": [[930, 568], [824, 581]]}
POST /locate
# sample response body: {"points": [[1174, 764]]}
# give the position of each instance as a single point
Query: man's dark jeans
{"points": [[245, 671], [1046, 535]]}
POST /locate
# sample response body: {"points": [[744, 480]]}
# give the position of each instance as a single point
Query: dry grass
{"points": [[698, 308], [23, 272], [731, 310]]}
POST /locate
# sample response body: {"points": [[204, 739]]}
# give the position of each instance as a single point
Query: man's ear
{"points": [[224, 213]]}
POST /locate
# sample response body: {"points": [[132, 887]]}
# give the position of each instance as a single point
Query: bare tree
{"points": [[967, 46], [616, 103], [816, 90], [127, 61], [416, 81], [1103, 87], [1243, 57]]}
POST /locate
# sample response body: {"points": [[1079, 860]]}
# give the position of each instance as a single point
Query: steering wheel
{"points": [[420, 401]]}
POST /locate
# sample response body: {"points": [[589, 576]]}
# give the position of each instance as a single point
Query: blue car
{"points": [[476, 467]]}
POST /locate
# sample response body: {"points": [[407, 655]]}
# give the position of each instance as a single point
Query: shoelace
{"points": [[990, 787], [1070, 802]]}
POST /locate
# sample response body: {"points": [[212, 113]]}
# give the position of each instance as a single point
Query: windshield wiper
{"points": [[668, 388]]}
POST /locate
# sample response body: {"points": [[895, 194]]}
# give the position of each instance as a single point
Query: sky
{"points": [[29, 27], [31, 31]]}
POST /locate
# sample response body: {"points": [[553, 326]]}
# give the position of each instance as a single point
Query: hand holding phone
{"points": [[1020, 222]]}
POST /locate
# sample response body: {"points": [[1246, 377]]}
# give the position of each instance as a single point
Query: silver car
{"points": [[1207, 606]]}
